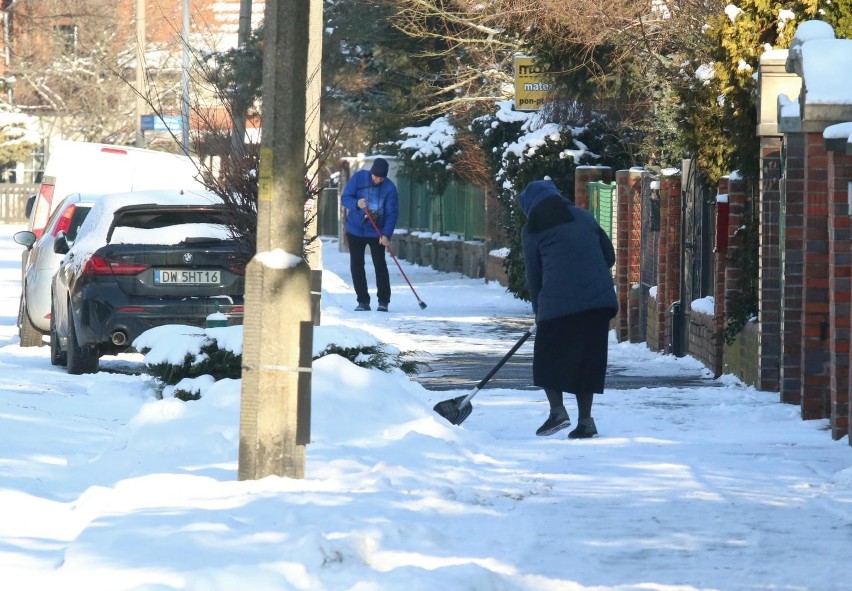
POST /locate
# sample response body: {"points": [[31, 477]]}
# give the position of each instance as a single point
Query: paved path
{"points": [[461, 370]]}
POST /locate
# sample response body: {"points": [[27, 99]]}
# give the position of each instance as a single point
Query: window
{"points": [[68, 38]]}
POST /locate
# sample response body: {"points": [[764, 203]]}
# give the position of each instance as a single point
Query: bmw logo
{"points": [[187, 257]]}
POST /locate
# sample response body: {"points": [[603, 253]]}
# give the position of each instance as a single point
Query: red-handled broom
{"points": [[393, 256]]}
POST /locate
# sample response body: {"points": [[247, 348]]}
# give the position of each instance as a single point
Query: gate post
{"points": [[628, 247], [583, 175], [668, 285]]}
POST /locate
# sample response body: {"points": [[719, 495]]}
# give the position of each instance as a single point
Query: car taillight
{"points": [[114, 151], [42, 209], [64, 220], [97, 265], [237, 269]]}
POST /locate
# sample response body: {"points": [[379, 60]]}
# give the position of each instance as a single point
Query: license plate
{"points": [[192, 277]]}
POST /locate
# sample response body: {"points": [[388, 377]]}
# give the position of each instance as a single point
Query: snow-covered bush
{"points": [[187, 359], [427, 153], [523, 147]]}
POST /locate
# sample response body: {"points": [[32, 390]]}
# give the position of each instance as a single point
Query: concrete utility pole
{"points": [[277, 332]]}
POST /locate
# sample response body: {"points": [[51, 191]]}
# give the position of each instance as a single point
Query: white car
{"points": [[41, 264]]}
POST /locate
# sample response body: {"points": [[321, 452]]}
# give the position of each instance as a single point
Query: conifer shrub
{"points": [[211, 360], [521, 150], [377, 357], [221, 363]]}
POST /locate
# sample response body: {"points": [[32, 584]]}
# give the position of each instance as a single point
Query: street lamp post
{"points": [[184, 111]]}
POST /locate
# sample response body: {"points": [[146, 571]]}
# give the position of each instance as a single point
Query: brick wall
{"points": [[703, 340]]}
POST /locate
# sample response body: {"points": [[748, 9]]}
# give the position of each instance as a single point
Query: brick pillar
{"points": [[839, 177], [720, 259], [637, 178], [629, 252], [736, 216], [622, 253], [816, 357], [769, 276], [583, 175], [668, 286], [792, 205]]}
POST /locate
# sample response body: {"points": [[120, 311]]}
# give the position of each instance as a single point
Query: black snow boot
{"points": [[557, 421], [585, 429]]}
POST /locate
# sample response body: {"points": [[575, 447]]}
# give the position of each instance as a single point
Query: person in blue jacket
{"points": [[568, 261], [370, 190]]}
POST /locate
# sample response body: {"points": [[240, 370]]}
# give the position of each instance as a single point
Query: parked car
{"points": [[42, 263], [91, 168], [141, 260]]}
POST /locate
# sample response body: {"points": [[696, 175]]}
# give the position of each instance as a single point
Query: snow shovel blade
{"points": [[452, 411]]}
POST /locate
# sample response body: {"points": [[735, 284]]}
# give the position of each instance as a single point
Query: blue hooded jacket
{"points": [[382, 201], [568, 256]]}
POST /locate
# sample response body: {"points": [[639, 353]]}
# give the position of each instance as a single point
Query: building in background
{"points": [[72, 68]]}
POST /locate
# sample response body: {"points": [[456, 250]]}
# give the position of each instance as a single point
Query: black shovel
{"points": [[456, 410]]}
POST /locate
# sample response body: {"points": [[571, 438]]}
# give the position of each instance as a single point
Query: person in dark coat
{"points": [[370, 190], [568, 269]]}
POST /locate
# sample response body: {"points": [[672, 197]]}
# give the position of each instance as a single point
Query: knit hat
{"points": [[380, 168]]}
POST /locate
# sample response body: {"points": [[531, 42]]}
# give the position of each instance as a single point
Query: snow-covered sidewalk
{"points": [[103, 487]]}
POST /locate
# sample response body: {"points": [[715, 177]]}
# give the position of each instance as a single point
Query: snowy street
{"points": [[716, 488]]}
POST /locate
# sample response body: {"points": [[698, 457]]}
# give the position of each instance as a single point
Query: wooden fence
{"points": [[13, 202]]}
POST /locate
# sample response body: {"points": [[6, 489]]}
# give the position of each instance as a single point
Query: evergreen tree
{"points": [[739, 36], [376, 78]]}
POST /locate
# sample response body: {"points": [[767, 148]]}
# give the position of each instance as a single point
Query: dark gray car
{"points": [[143, 260]]}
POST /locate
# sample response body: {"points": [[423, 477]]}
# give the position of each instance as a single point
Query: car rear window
{"points": [[167, 227]]}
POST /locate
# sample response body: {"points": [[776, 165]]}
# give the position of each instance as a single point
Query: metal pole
{"points": [[141, 38], [185, 81], [238, 106]]}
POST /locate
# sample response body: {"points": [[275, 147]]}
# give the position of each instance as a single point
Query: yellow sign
{"points": [[531, 84], [264, 174]]}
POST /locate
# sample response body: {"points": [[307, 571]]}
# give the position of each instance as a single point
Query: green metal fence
{"points": [[601, 196], [415, 205], [459, 210]]}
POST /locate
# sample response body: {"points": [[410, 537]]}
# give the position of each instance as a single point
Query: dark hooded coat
{"points": [[568, 256], [568, 259]]}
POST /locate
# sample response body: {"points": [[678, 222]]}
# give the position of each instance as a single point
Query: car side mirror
{"points": [[60, 245], [28, 209], [24, 238]]}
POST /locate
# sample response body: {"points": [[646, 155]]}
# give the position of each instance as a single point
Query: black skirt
{"points": [[570, 352]]}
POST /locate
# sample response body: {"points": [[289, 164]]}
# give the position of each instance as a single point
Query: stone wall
{"points": [[740, 356], [449, 255], [653, 337]]}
